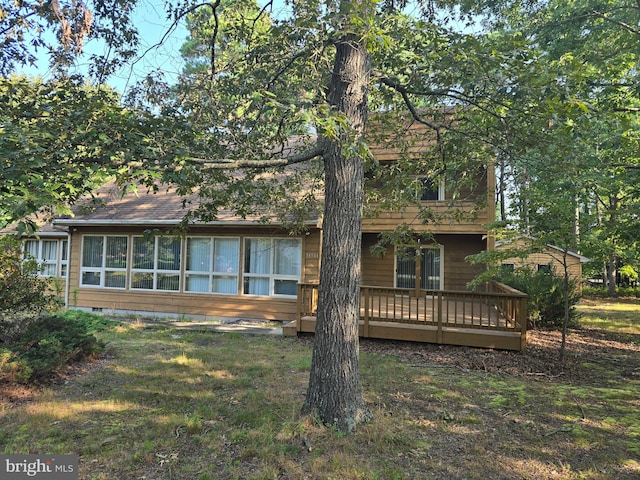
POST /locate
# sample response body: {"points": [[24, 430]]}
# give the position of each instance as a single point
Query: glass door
{"points": [[430, 268]]}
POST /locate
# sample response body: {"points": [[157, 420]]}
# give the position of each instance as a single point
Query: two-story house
{"points": [[124, 256]]}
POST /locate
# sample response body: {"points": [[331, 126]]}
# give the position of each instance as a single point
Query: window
{"points": [[104, 261], [430, 189], [45, 252], [430, 268], [155, 263], [272, 266], [507, 268], [212, 265], [545, 268], [64, 258]]}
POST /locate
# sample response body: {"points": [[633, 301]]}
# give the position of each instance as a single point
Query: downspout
{"points": [[68, 276]]}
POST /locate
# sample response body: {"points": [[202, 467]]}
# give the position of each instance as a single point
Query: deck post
{"points": [[299, 308], [523, 317], [365, 332], [439, 334]]}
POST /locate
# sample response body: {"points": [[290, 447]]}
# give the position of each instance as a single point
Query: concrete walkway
{"points": [[218, 324]]}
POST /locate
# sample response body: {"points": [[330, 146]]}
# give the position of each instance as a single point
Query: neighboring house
{"points": [[547, 257]]}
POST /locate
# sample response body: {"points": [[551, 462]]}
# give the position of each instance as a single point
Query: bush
{"points": [[591, 291], [546, 296], [23, 295], [50, 343]]}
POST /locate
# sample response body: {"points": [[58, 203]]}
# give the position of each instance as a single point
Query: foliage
{"points": [[23, 295], [591, 291], [529, 89], [50, 343], [62, 138], [581, 171], [545, 292], [61, 28]]}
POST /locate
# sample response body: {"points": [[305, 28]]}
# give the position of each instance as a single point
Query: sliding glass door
{"points": [[430, 270]]}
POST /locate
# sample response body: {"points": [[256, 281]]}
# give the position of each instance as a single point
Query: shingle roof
{"points": [[113, 205]]}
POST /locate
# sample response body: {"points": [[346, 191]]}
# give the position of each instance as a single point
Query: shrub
{"points": [[23, 295], [50, 343], [591, 291], [546, 296]]}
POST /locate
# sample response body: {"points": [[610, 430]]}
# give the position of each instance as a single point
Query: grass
{"points": [[168, 404]]}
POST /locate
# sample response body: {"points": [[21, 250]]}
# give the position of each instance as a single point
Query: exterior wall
{"points": [[467, 211], [552, 257], [187, 303], [380, 271], [468, 223]]}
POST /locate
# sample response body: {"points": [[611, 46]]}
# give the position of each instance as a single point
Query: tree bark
{"points": [[335, 392]]}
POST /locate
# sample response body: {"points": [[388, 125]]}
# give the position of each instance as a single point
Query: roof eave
{"points": [[167, 223]]}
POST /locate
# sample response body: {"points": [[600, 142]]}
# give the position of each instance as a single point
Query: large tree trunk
{"points": [[335, 393]]}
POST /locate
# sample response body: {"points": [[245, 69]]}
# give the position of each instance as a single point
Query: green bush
{"points": [[546, 296], [591, 291], [23, 295], [49, 343]]}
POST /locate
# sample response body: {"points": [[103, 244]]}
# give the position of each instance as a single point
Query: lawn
{"points": [[175, 404]]}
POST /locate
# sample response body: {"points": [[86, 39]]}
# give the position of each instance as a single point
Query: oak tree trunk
{"points": [[335, 393]]}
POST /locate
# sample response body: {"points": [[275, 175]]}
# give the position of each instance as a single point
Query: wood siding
{"points": [[380, 271], [187, 303], [549, 255]]}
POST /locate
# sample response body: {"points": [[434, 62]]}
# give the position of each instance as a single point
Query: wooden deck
{"points": [[493, 319]]}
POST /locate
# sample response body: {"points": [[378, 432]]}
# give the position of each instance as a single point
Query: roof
{"points": [[44, 225], [114, 205], [505, 243]]}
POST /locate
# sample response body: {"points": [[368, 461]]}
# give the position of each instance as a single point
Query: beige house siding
{"points": [[549, 256]]}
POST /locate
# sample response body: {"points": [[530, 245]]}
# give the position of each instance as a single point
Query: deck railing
{"points": [[501, 308]]}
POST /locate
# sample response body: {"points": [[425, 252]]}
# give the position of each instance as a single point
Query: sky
{"points": [[157, 51], [152, 23]]}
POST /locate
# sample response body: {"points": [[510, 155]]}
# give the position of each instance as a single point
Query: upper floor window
{"points": [[430, 189], [212, 265], [155, 263], [272, 266], [507, 267], [104, 261]]}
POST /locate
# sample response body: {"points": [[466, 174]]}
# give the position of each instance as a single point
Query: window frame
{"points": [[103, 269], [271, 276], [155, 271], [60, 260], [420, 189], [440, 276], [210, 272]]}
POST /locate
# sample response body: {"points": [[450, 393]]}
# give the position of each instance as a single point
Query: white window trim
{"points": [[211, 274], [271, 276], [155, 271], [103, 269], [39, 256]]}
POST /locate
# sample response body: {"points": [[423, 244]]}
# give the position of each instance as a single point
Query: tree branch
{"points": [[170, 30], [620, 23], [317, 151], [214, 7]]}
